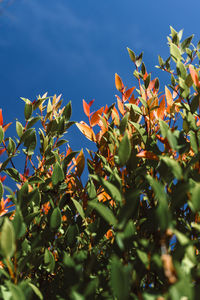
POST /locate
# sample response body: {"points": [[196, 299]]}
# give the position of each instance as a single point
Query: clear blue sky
{"points": [[75, 47]]}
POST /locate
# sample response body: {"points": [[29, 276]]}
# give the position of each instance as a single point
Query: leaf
{"points": [[110, 188], [19, 129], [124, 150], [161, 110], [36, 290], [28, 109], [175, 52], [1, 117], [87, 131], [80, 163], [7, 240], [118, 82], [123, 124], [1, 190], [131, 54], [194, 76], [147, 154], [168, 97], [195, 103], [128, 93], [16, 291], [119, 279], [162, 211], [174, 166], [55, 219], [1, 134], [164, 128], [58, 175], [86, 108], [134, 107], [195, 197], [104, 211], [95, 118], [79, 208], [68, 111], [49, 260]]}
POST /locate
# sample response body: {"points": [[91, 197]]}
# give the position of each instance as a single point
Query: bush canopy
{"points": [[133, 230]]}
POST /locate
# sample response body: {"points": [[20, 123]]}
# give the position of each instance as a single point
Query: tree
{"points": [[132, 232]]}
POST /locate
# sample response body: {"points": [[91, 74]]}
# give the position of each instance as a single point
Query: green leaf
{"points": [[13, 173], [7, 241], [124, 150], [119, 279], [28, 109], [36, 290], [58, 174], [143, 256], [67, 111], [55, 219], [175, 52], [138, 60], [104, 211], [193, 141], [19, 129], [32, 122], [134, 107], [195, 103], [16, 291], [11, 146], [131, 54], [181, 69], [79, 208], [110, 188], [123, 124], [186, 42], [1, 134], [49, 260], [68, 159], [195, 197], [174, 166], [163, 128], [163, 213], [18, 225], [1, 190]]}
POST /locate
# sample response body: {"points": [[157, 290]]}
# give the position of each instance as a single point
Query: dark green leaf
{"points": [[124, 150], [55, 219], [58, 175], [104, 211]]}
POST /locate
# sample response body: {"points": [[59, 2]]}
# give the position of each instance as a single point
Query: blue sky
{"points": [[76, 47]]}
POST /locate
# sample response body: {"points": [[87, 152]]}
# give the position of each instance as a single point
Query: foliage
{"points": [[133, 230]]}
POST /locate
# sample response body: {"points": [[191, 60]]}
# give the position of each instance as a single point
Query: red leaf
{"points": [[2, 151], [91, 102], [96, 117], [147, 154], [168, 97], [86, 108], [5, 127], [194, 76], [1, 118], [128, 93]]}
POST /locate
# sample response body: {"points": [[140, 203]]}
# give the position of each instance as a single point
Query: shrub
{"points": [[132, 231]]}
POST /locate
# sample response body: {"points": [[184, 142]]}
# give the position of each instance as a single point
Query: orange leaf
{"points": [[80, 163], [120, 107], [87, 131], [168, 97], [5, 127], [194, 76], [118, 82], [161, 110], [86, 108], [128, 93], [1, 118], [96, 117], [147, 154], [115, 116]]}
